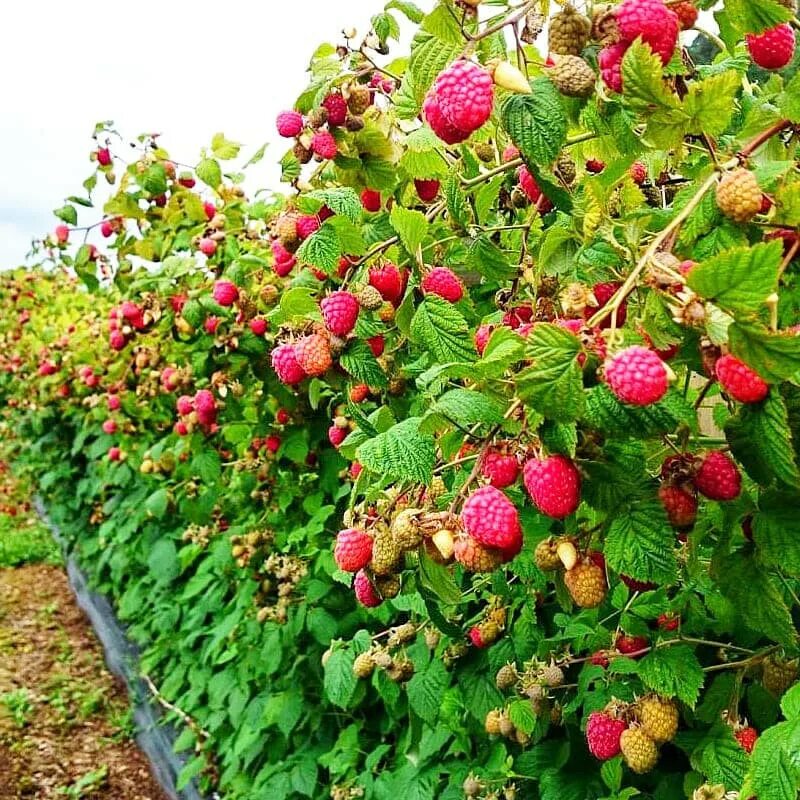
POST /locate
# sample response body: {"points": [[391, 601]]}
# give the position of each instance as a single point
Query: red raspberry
{"points": [[103, 156], [603, 292], [772, 49], [595, 166], [600, 659], [389, 281], [117, 340], [747, 737], [289, 124], [225, 293], [532, 190], [114, 454], [482, 336], [109, 426], [510, 152], [62, 234], [491, 518], [207, 246], [272, 443], [336, 106], [439, 124], [501, 469], [204, 402], [653, 22], [113, 402], [465, 95], [602, 735], [637, 376], [210, 209], [282, 416], [211, 324], [609, 59], [184, 405], [554, 485], [340, 312], [307, 225], [718, 477], [258, 326], [517, 316], [739, 381], [284, 260], [365, 591], [371, 200], [324, 145], [631, 645], [474, 556], [637, 586], [638, 173], [426, 189], [668, 622], [285, 365], [680, 505], [313, 354], [336, 435], [377, 345], [359, 393], [443, 282], [353, 549], [686, 13]]}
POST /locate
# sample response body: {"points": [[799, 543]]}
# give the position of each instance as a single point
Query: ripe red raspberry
{"points": [[114, 454], [353, 549], [491, 518], [595, 166], [184, 405], [739, 381], [517, 316], [103, 156], [336, 435], [109, 426], [602, 735], [365, 591], [443, 282], [324, 145], [371, 200], [603, 292], [340, 312], [638, 586], [680, 505], [285, 365], [426, 189], [307, 225], [336, 106], [207, 246], [686, 13], [554, 485], [258, 326], [211, 324], [117, 340], [510, 152], [282, 416], [631, 645], [359, 393], [638, 173], [718, 477], [668, 622], [210, 209], [475, 557], [447, 132], [482, 336], [272, 443], [637, 376], [600, 659], [389, 281], [377, 345], [747, 737], [653, 22], [313, 354], [284, 260], [772, 49], [225, 293], [501, 469], [114, 402], [532, 190], [465, 93], [289, 124], [609, 59]]}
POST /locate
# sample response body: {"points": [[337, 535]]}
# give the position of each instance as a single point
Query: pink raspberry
{"points": [[491, 519], [62, 234], [554, 485], [638, 173], [109, 426], [447, 132], [389, 281], [106, 228], [340, 312], [365, 591], [284, 260], [595, 166], [285, 365], [211, 324], [313, 354], [774, 48], [532, 190], [443, 282], [113, 402], [475, 635], [609, 59], [500, 468], [307, 225], [482, 336], [336, 106], [114, 454], [465, 91], [207, 246], [718, 477], [739, 381], [603, 292], [603, 733], [426, 189], [258, 326], [103, 156], [225, 293], [371, 200], [653, 22], [353, 549], [510, 152], [680, 505], [117, 340], [185, 405], [324, 145], [336, 435], [210, 209], [637, 376]]}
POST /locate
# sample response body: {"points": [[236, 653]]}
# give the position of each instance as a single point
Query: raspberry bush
{"points": [[466, 463]]}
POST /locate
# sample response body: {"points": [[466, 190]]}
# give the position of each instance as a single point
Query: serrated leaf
{"points": [[321, 249], [442, 330], [438, 580], [739, 280], [720, 757], [642, 77], [605, 413], [457, 205], [774, 356], [536, 122], [503, 349], [340, 683], [343, 201], [411, 227], [467, 407], [224, 149], [776, 532], [411, 10], [790, 703], [401, 453], [673, 672], [640, 543], [209, 171], [775, 771], [710, 103], [521, 713], [790, 99], [429, 56], [426, 691], [486, 258], [756, 17], [68, 214], [360, 362]]}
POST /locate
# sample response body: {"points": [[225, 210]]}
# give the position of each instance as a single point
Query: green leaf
{"points": [[775, 772], [426, 691], [343, 201], [411, 10], [611, 773], [710, 103], [642, 76], [641, 544], [163, 561], [774, 356], [467, 407], [485, 257], [755, 17], [360, 362], [209, 171], [401, 453], [207, 465], [411, 227], [776, 531], [438, 579], [536, 123], [440, 328], [340, 683], [68, 214], [457, 205], [739, 280], [720, 757], [790, 100], [673, 672], [321, 249], [790, 703], [224, 149], [157, 503], [503, 349], [522, 715], [429, 56], [554, 384]]}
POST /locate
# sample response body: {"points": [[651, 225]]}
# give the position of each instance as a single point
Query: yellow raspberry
{"points": [[658, 718], [639, 750], [586, 583], [739, 195]]}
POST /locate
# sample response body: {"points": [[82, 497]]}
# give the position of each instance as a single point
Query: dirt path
{"points": [[64, 721]]}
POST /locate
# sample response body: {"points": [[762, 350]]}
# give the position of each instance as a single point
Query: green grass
{"points": [[25, 540]]}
